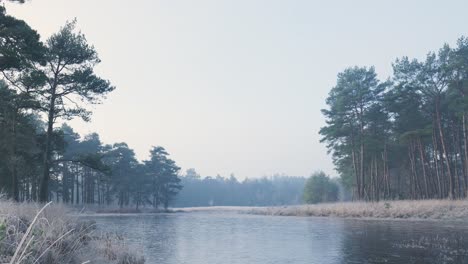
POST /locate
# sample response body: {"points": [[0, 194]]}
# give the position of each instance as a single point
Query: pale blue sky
{"points": [[236, 86]]}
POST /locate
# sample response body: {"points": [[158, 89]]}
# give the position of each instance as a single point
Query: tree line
{"points": [[43, 83], [222, 191], [404, 137]]}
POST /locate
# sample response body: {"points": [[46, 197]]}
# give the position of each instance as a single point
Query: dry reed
{"points": [[34, 234], [421, 209]]}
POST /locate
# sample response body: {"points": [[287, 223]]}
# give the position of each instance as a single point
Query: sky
{"points": [[236, 86]]}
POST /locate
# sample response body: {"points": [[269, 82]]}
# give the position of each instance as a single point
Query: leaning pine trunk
{"points": [[444, 150], [436, 162]]}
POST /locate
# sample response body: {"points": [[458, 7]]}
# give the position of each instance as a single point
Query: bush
{"points": [[319, 188]]}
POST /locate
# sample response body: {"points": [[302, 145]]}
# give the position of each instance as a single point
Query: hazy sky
{"points": [[236, 86]]}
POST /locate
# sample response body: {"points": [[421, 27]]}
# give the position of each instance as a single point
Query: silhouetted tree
{"points": [[69, 72]]}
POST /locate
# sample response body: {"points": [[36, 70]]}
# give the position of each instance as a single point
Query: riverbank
{"points": [[143, 210], [30, 233], [235, 209], [128, 211], [422, 209]]}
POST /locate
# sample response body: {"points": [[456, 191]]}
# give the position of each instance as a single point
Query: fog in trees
{"points": [[229, 191]]}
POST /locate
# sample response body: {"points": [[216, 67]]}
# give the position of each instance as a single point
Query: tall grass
{"points": [[421, 209], [47, 234]]}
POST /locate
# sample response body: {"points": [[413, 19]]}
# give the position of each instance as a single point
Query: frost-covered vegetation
{"points": [[422, 209], [30, 233]]}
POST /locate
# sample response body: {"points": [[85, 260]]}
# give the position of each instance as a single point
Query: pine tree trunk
{"points": [[423, 162], [14, 172], [413, 171], [455, 142], [436, 162], [465, 149], [356, 175], [444, 150], [44, 182]]}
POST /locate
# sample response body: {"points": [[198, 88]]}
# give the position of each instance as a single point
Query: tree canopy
{"points": [[319, 188], [43, 84], [405, 137]]}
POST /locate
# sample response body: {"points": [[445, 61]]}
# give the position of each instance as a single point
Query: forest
{"points": [[404, 137], [221, 191], [44, 84]]}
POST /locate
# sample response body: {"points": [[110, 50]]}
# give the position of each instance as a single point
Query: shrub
{"points": [[319, 188]]}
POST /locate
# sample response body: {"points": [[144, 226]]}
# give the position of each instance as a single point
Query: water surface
{"points": [[228, 237]]}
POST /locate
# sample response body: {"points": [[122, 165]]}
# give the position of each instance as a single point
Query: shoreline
{"points": [[405, 210], [402, 210], [31, 233], [173, 210]]}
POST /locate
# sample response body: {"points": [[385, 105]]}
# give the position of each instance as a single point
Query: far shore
{"points": [[449, 210], [145, 210]]}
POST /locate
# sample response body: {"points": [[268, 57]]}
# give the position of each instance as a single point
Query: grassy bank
{"points": [[30, 233], [423, 209]]}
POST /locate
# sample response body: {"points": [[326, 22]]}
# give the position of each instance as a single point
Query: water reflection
{"points": [[213, 238], [370, 241]]}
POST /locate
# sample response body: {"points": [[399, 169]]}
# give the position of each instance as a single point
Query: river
{"points": [[233, 238]]}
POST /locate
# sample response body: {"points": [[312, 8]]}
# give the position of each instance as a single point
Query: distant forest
{"points": [[220, 191], [404, 137]]}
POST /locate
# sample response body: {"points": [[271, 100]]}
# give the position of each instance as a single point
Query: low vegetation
{"points": [[31, 234], [320, 188], [423, 209]]}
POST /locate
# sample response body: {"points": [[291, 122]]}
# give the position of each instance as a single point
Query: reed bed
{"points": [[46, 234], [420, 209]]}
